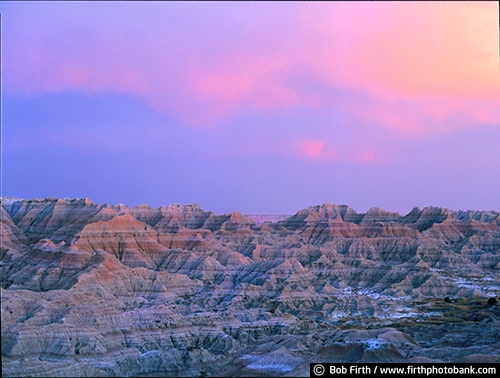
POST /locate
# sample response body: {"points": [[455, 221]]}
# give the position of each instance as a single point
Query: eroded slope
{"points": [[91, 289]]}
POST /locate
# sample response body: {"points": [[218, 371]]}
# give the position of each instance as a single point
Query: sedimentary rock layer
{"points": [[90, 289]]}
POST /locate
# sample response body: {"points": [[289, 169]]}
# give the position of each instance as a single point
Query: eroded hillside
{"points": [[91, 289]]}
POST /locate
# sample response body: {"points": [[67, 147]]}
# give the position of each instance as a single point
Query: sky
{"points": [[257, 107]]}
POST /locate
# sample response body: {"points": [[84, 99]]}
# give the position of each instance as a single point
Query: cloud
{"points": [[311, 149], [318, 150], [409, 49], [414, 65]]}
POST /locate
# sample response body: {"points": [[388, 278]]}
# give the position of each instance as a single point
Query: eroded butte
{"points": [[100, 290]]}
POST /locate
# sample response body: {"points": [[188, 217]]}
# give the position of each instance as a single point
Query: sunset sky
{"points": [[257, 107]]}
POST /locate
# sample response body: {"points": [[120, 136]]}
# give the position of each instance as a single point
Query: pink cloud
{"points": [[485, 114], [315, 150], [419, 64], [311, 149], [407, 48], [323, 151], [441, 56]]}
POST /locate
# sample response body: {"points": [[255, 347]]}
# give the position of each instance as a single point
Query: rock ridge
{"points": [[95, 289]]}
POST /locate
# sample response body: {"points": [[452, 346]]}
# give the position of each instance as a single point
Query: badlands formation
{"points": [[103, 290]]}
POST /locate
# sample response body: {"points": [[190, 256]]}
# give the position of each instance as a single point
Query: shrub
{"points": [[447, 299], [492, 301]]}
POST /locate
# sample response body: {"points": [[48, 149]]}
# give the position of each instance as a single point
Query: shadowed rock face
{"points": [[91, 289]]}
